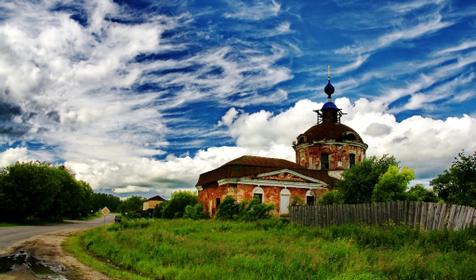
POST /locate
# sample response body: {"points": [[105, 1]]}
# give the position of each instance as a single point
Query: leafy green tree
{"points": [[101, 200], [175, 208], [420, 193], [28, 192], [131, 205], [359, 181], [332, 197], [458, 183], [392, 184]]}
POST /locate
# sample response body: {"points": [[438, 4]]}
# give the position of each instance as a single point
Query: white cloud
{"points": [[130, 189], [425, 144], [75, 84], [13, 155], [229, 116], [257, 10]]}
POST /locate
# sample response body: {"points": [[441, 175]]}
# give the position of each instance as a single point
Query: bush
{"points": [[332, 197], [420, 193], [132, 206], [255, 211], [194, 212], [228, 209], [175, 208], [247, 211], [297, 200], [159, 209]]}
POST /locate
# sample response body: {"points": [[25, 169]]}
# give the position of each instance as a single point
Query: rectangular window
{"points": [[217, 202], [258, 197], [351, 160], [324, 161]]}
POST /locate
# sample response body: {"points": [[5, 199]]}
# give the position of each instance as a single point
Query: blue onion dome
{"points": [[329, 105], [329, 89]]}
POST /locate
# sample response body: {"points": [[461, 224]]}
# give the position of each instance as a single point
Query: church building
{"points": [[323, 152]]}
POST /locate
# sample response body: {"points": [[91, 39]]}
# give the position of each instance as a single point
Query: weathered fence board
{"points": [[419, 215]]}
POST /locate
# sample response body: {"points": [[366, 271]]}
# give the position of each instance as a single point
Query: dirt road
{"points": [[37, 253]]}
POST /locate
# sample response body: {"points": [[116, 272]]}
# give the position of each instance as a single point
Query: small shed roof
{"points": [[157, 197]]}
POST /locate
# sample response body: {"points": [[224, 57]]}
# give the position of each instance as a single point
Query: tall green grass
{"points": [[274, 249]]}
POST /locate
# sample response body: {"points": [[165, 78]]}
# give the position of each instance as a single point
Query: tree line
{"points": [[36, 191], [380, 179]]}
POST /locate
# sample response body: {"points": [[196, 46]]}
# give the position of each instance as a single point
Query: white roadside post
{"points": [[105, 211]]}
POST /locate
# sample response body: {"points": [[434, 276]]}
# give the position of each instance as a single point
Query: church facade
{"points": [[323, 152]]}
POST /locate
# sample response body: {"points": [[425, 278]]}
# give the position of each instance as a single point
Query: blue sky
{"points": [[140, 97]]}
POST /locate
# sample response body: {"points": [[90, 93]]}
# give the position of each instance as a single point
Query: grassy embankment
{"points": [[186, 249]]}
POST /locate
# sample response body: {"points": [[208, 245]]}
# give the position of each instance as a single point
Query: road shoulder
{"points": [[48, 247]]}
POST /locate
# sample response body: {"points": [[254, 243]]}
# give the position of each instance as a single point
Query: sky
{"points": [[140, 97]]}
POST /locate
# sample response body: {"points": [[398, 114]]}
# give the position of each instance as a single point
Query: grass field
{"points": [[186, 249]]}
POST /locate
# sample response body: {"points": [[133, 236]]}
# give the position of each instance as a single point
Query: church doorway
{"points": [[284, 196]]}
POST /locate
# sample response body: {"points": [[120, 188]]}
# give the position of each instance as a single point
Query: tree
{"points": [[101, 200], [28, 192], [420, 193], [332, 197], [131, 205], [359, 181], [175, 208], [458, 183], [392, 184]]}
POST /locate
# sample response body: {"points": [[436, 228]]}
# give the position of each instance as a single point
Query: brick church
{"points": [[323, 152]]}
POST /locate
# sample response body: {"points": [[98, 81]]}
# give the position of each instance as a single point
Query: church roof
{"points": [[329, 131], [246, 166]]}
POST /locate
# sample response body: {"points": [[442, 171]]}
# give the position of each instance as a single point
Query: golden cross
{"points": [[328, 72]]}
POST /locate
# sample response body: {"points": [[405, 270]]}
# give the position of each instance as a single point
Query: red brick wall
{"points": [[309, 157], [209, 194], [245, 192]]}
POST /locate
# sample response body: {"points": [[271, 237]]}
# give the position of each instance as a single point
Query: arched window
{"points": [[310, 199], [324, 161], [351, 160], [258, 194]]}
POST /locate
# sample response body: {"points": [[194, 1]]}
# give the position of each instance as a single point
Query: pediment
{"points": [[288, 175]]}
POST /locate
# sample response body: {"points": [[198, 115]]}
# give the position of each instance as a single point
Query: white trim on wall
{"points": [[272, 183]]}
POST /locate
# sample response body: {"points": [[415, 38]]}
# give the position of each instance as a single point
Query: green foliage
{"points": [[254, 210], [101, 200], [194, 212], [245, 210], [332, 197], [392, 184], [359, 181], [159, 209], [296, 200], [36, 191], [228, 209], [458, 183], [274, 249], [131, 206], [420, 193], [175, 208]]}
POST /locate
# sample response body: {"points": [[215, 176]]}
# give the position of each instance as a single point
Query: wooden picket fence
{"points": [[419, 215]]}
